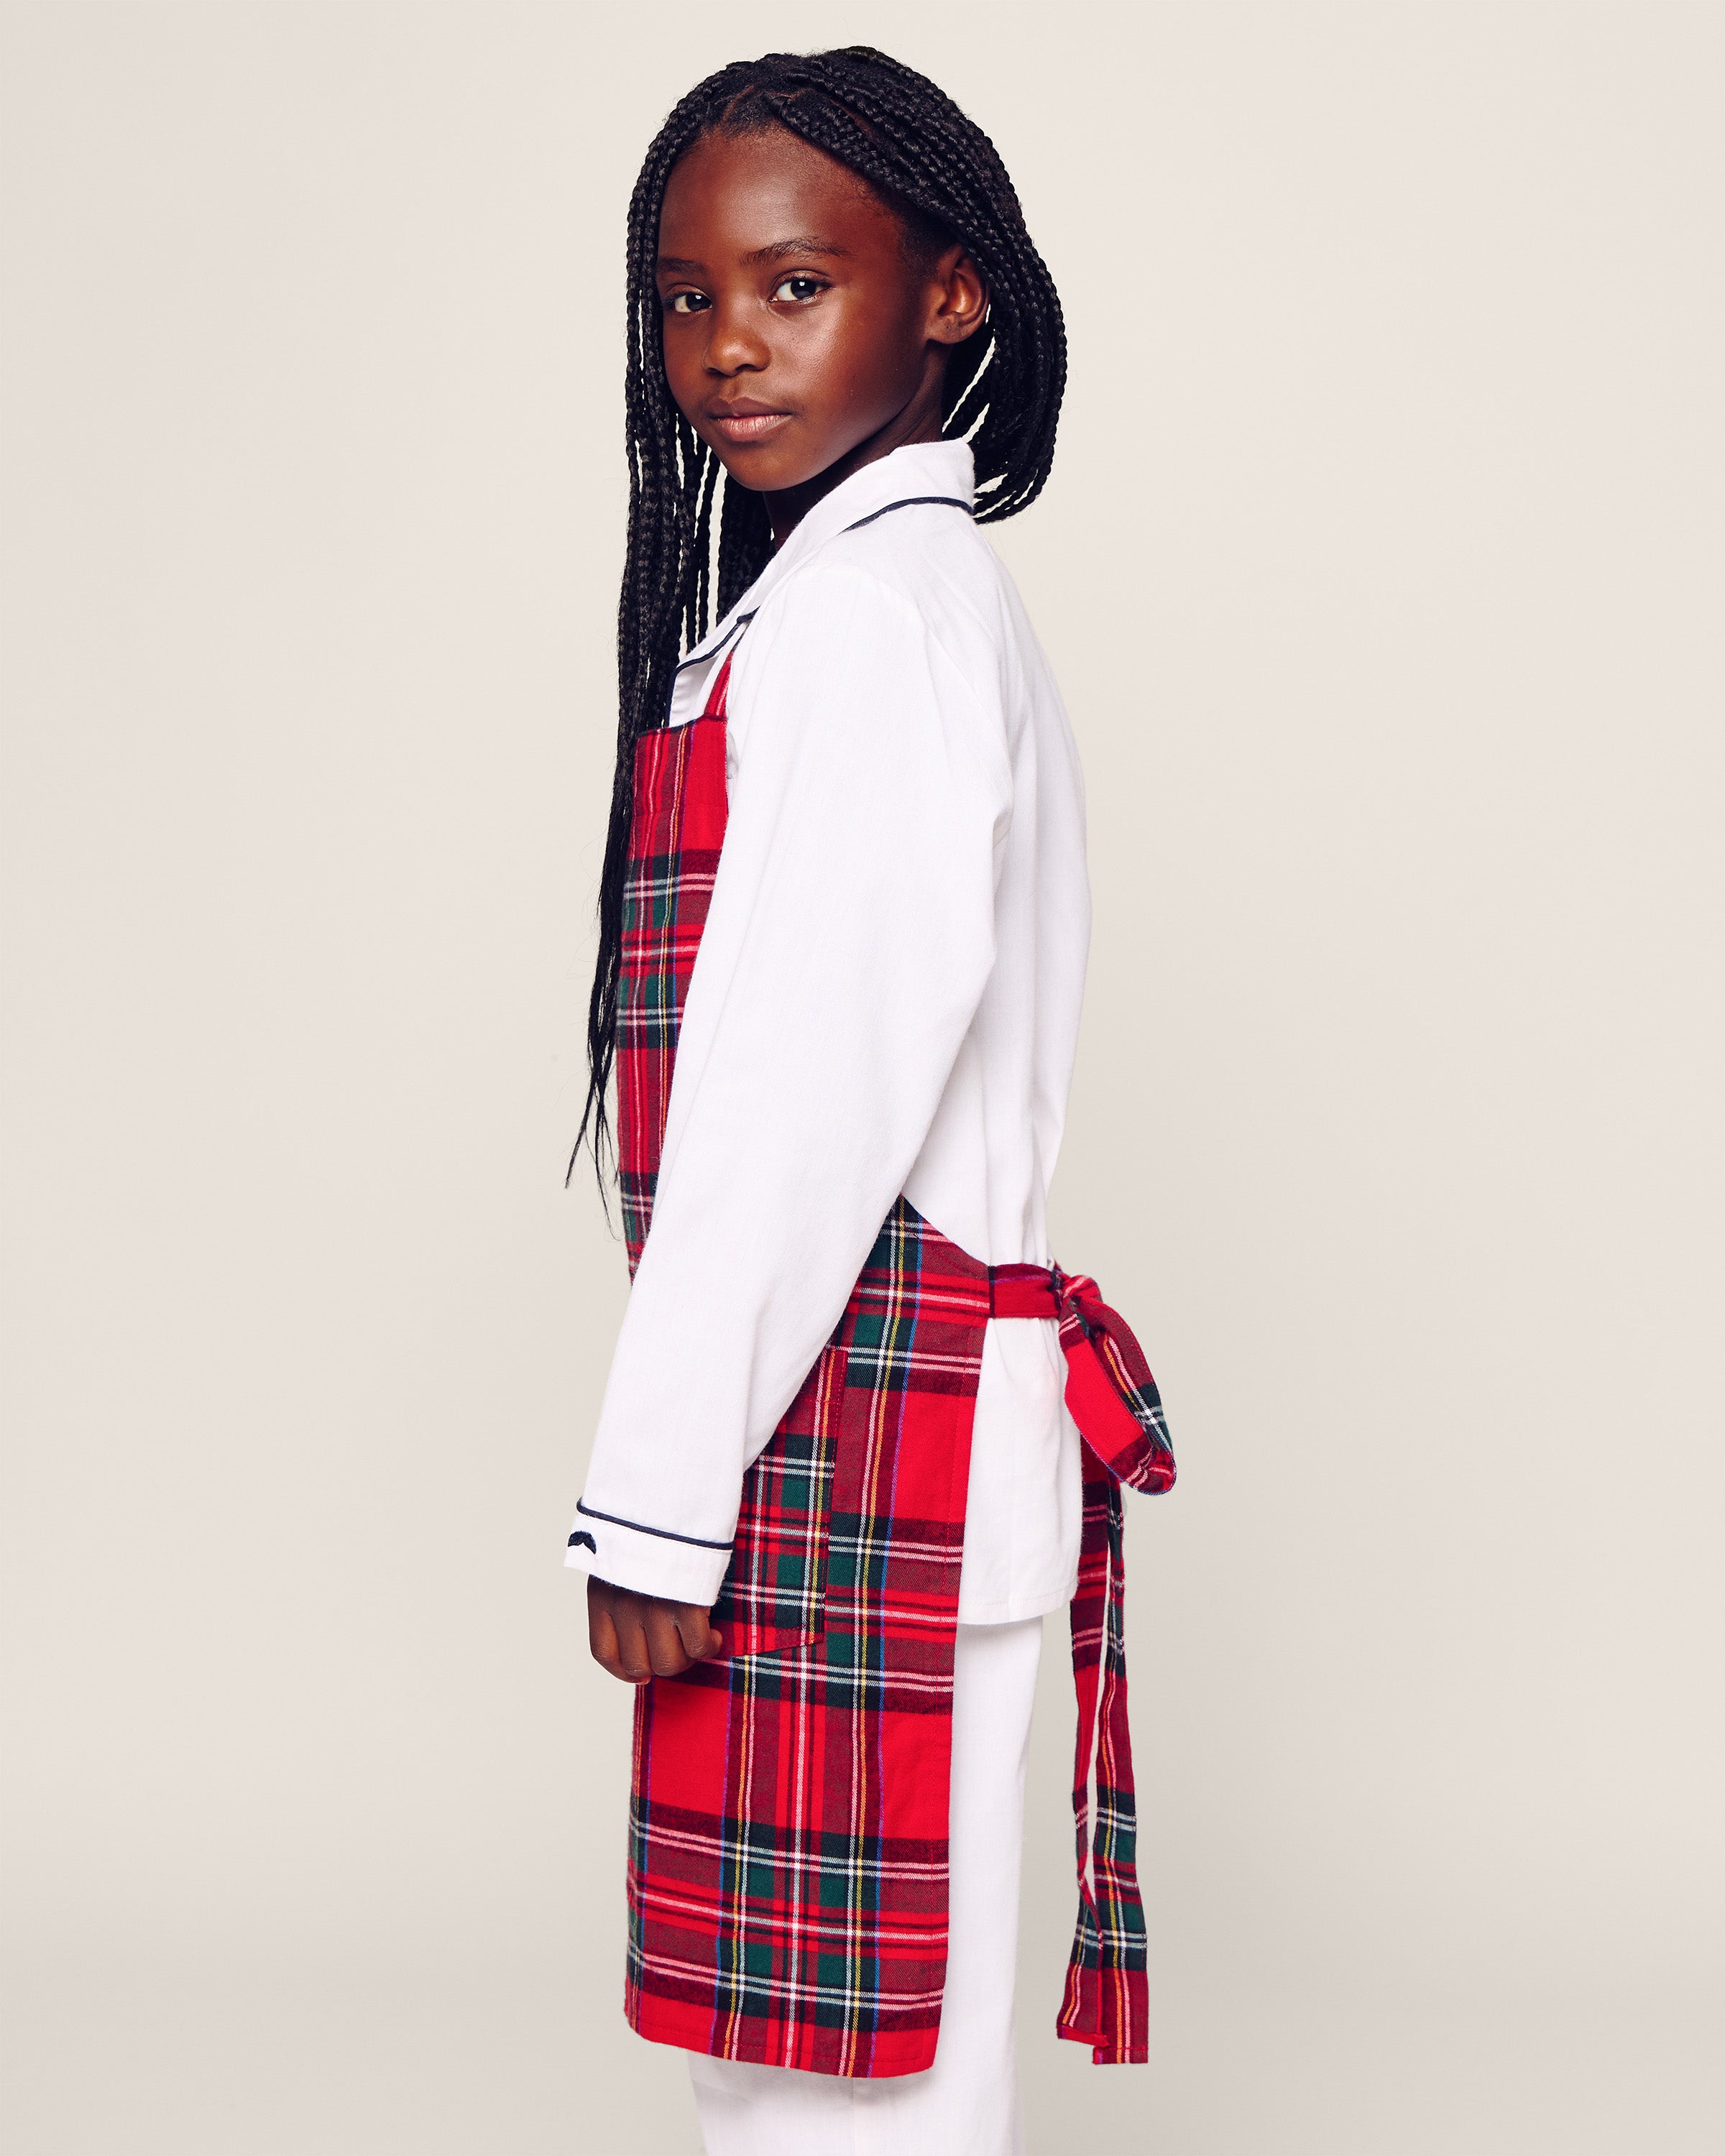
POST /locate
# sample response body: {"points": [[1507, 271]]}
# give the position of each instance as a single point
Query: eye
{"points": [[687, 303], [800, 289]]}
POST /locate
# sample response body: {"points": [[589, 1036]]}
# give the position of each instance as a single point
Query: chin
{"points": [[766, 475]]}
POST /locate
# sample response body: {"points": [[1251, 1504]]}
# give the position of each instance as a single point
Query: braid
{"points": [[945, 178]]}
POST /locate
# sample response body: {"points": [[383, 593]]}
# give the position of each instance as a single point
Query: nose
{"points": [[734, 342]]}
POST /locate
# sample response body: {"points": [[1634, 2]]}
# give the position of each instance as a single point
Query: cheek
{"points": [[682, 364], [853, 356]]}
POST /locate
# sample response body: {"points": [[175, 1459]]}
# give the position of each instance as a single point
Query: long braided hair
{"points": [[944, 177]]}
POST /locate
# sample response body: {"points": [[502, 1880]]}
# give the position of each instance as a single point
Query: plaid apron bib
{"points": [[789, 1799]]}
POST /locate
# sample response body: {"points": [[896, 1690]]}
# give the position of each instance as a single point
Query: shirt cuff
{"points": [[647, 1560]]}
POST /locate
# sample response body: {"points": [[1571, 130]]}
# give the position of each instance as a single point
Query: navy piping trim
{"points": [[664, 1534], [915, 501], [701, 657]]}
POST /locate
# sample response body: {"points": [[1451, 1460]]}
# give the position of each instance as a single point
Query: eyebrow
{"points": [[779, 251], [805, 243]]}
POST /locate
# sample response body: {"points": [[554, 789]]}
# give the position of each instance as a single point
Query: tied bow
{"points": [[1109, 1388]]}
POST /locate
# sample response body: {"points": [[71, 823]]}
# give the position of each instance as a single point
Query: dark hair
{"points": [[944, 177]]}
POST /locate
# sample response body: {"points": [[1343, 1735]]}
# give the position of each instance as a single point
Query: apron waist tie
{"points": [[1115, 1403]]}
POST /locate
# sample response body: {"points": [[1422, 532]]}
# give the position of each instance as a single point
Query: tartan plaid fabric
{"points": [[1132, 1446], [1109, 1388], [1106, 2003], [788, 1856], [788, 1809], [774, 1594], [674, 836]]}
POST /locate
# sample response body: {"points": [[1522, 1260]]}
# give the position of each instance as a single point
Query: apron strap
{"points": [[714, 705], [1106, 2003], [1114, 1401]]}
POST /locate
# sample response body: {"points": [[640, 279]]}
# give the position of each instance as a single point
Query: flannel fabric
{"points": [[674, 836], [789, 1813], [1106, 2001], [787, 1855]]}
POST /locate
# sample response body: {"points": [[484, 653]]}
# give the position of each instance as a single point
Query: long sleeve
{"points": [[849, 942]]}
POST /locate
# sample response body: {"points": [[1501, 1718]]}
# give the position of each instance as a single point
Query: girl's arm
{"points": [[848, 941]]}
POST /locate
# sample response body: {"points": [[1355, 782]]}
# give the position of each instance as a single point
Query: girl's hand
{"points": [[639, 1637]]}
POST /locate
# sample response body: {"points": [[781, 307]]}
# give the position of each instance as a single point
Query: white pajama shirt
{"points": [[885, 1000]]}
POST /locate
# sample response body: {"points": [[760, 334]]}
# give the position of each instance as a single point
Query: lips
{"points": [[747, 420]]}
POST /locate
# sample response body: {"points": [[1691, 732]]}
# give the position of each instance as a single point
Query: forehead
{"points": [[731, 194]]}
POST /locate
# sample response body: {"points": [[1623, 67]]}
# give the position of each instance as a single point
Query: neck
{"points": [[919, 422]]}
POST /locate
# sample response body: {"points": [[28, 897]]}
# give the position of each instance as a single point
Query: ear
{"points": [[961, 298]]}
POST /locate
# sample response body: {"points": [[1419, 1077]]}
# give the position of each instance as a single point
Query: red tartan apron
{"points": [[788, 1832]]}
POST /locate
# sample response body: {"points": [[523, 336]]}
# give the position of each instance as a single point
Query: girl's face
{"points": [[801, 340]]}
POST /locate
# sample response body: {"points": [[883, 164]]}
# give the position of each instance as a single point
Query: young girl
{"points": [[842, 931]]}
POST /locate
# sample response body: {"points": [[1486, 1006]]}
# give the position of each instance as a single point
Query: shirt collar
{"points": [[944, 471]]}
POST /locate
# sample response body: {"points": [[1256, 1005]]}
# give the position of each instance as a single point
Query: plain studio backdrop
{"points": [[1379, 568]]}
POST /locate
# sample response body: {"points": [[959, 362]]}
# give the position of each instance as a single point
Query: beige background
{"points": [[1380, 569]]}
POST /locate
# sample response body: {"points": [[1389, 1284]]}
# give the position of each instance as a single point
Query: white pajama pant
{"points": [[967, 2103]]}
